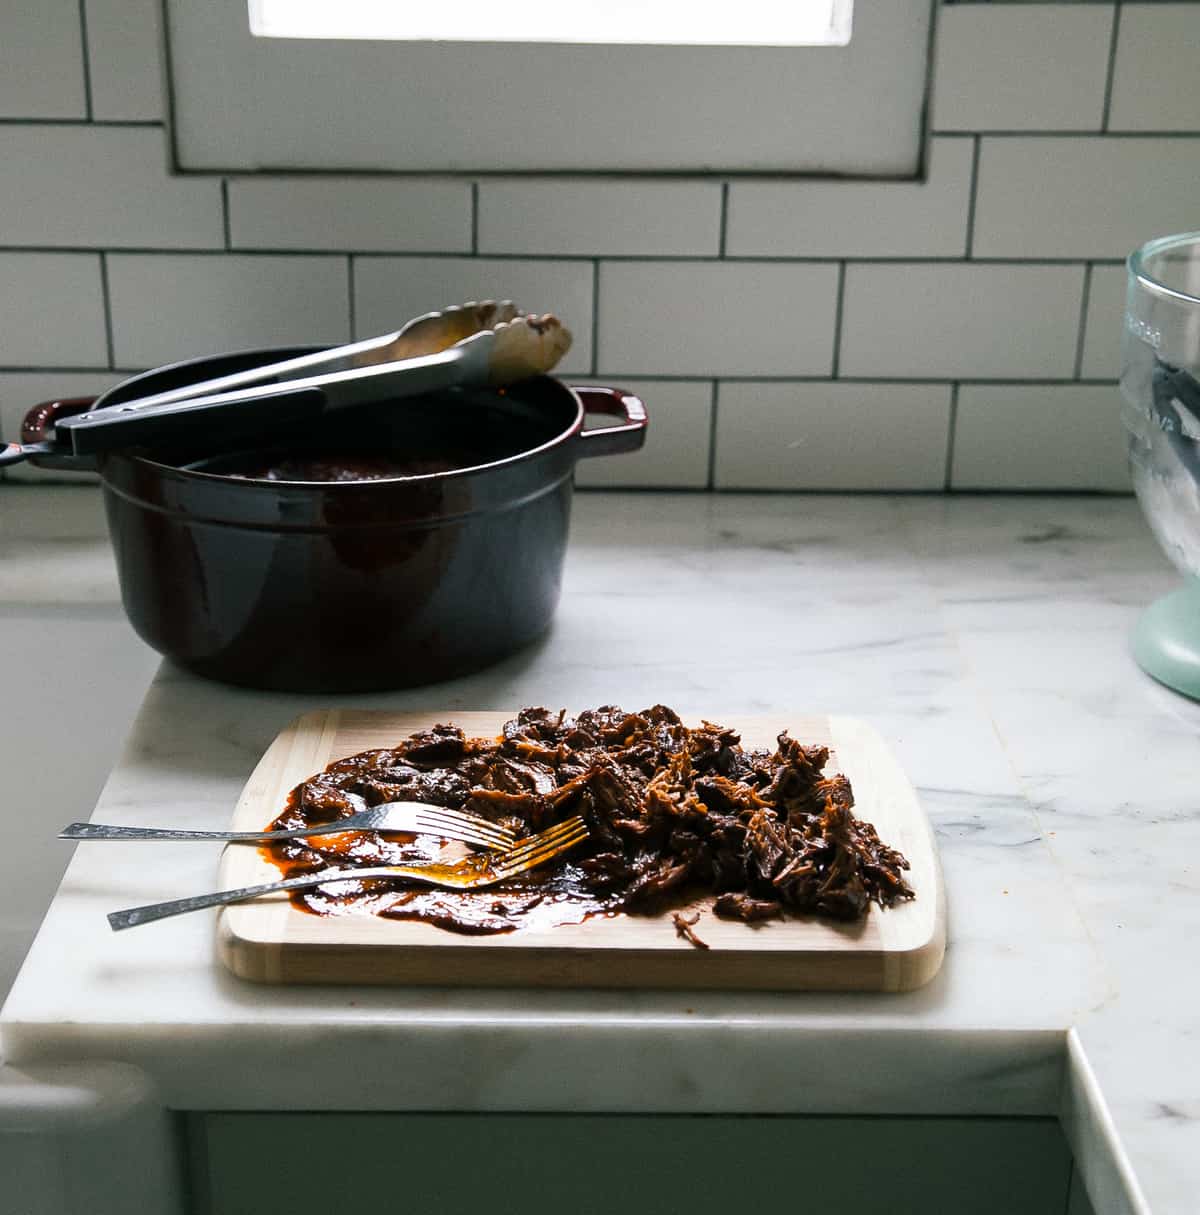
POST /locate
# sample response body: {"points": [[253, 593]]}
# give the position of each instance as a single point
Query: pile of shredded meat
{"points": [[673, 813]]}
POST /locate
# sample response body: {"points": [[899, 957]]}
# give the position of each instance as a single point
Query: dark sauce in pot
{"points": [[344, 468], [350, 468], [412, 438]]}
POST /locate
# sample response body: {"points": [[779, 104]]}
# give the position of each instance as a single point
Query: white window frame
{"points": [[245, 104]]}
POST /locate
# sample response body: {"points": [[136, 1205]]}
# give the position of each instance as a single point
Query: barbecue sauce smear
{"points": [[673, 813]]}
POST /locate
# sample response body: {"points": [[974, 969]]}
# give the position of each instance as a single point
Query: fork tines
{"points": [[469, 828], [538, 849]]}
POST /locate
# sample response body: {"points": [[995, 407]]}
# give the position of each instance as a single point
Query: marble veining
{"points": [[985, 637]]}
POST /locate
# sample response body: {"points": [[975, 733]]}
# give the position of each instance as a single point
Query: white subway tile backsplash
{"points": [[51, 310], [350, 213], [1103, 324], [41, 61], [1058, 436], [1154, 76], [906, 320], [975, 273], [1017, 67], [677, 439], [600, 218], [857, 218], [832, 436], [390, 290], [124, 56], [106, 187], [717, 318], [1083, 198], [20, 391], [169, 307]]}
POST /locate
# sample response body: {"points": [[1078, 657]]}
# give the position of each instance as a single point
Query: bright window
{"points": [[663, 22], [512, 86]]}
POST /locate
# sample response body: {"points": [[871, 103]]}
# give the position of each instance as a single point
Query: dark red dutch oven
{"points": [[316, 586]]}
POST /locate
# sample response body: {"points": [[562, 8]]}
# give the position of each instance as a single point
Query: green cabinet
{"points": [[589, 1164]]}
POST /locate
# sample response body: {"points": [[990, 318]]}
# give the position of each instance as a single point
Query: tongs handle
{"points": [[320, 362], [212, 417], [265, 406]]}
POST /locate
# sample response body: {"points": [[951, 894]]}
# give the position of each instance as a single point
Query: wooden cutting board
{"points": [[270, 941]]}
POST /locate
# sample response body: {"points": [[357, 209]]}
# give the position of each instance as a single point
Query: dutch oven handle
{"points": [[36, 426], [611, 440], [41, 417]]}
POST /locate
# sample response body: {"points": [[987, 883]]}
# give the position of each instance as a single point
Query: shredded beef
{"points": [[685, 927], [743, 907]]}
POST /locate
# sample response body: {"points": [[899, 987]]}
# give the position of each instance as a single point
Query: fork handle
{"points": [[102, 831], [132, 916]]}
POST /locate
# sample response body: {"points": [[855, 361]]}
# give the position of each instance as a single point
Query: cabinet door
{"points": [[586, 1164], [1078, 1203]]}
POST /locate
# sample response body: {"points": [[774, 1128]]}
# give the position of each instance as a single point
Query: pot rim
{"points": [[263, 483]]}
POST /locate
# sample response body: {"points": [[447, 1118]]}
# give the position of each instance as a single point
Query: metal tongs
{"points": [[472, 344]]}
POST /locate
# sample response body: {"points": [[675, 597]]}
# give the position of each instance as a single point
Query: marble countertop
{"points": [[984, 637]]}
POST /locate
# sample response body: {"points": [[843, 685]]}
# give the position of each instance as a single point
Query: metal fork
{"points": [[471, 873], [416, 817]]}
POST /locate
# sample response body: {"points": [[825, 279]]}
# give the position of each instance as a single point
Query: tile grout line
{"points": [[106, 298], [85, 124], [789, 178], [350, 297], [1083, 311], [1083, 134], [971, 200], [932, 381], [170, 98], [762, 491], [714, 403], [837, 320], [69, 369], [89, 108], [674, 259], [952, 426], [1111, 71], [225, 224], [595, 364], [723, 229]]}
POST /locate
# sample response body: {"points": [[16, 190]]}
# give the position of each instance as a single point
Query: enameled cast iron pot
{"points": [[357, 585]]}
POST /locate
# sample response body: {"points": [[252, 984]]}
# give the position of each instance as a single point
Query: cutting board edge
{"points": [[259, 962], [906, 969]]}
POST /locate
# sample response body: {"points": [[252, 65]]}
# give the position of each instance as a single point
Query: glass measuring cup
{"points": [[1160, 387]]}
